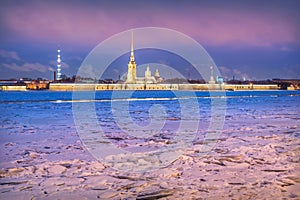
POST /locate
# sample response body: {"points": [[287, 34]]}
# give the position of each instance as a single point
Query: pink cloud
{"points": [[220, 27], [92, 24]]}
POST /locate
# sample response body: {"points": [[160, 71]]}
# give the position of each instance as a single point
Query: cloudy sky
{"points": [[251, 39]]}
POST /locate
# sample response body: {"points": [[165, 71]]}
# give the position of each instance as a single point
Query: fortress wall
{"points": [[200, 87], [266, 87], [110, 86], [134, 86], [61, 86], [13, 87], [251, 87], [162, 87], [72, 86]]}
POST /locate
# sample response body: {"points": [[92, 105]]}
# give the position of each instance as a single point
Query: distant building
{"points": [[37, 85], [212, 79], [131, 72], [220, 80]]}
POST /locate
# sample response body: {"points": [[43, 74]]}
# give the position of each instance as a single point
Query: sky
{"points": [[253, 39]]}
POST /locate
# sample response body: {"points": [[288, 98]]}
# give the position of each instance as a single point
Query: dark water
{"points": [[34, 108], [38, 107], [40, 96]]}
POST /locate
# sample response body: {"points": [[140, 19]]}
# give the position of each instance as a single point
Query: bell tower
{"points": [[131, 73]]}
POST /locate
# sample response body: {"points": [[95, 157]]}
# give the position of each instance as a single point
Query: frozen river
{"points": [[45, 135]]}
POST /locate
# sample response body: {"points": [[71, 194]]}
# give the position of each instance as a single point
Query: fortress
{"points": [[131, 72], [149, 82], [133, 82]]}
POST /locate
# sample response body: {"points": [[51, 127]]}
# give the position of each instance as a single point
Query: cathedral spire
{"points": [[131, 54], [131, 73]]}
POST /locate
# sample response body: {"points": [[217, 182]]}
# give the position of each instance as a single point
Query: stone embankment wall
{"points": [[72, 86], [13, 87]]}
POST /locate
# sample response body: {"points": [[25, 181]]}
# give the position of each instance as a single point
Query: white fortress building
{"points": [[131, 72]]}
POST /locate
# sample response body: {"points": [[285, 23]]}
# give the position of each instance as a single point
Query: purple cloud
{"points": [[23, 65], [90, 24], [9, 54], [27, 67], [255, 37]]}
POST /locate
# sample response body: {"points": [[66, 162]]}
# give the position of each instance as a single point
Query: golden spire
{"points": [[131, 54]]}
